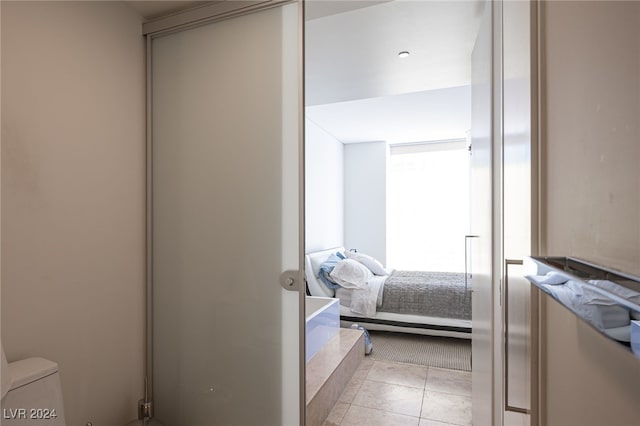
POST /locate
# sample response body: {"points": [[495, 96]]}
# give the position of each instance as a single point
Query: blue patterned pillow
{"points": [[327, 267]]}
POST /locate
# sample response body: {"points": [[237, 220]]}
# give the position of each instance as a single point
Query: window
{"points": [[427, 206]]}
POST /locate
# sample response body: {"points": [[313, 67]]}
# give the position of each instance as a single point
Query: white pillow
{"points": [[373, 264], [351, 274]]}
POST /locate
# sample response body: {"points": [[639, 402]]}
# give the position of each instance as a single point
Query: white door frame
{"points": [[498, 354], [499, 264]]}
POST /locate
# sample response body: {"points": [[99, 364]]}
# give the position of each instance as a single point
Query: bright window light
{"points": [[427, 209]]}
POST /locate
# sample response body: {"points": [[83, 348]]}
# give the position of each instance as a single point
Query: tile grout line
{"points": [[354, 397], [423, 391], [406, 364], [436, 420], [345, 413], [449, 393], [399, 364], [388, 411], [424, 394], [396, 384]]}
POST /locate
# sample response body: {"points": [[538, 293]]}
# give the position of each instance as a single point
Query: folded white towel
{"points": [[364, 301], [618, 290]]}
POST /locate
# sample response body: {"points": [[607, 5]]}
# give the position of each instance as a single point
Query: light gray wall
{"points": [[324, 182], [73, 191], [591, 197], [592, 131], [365, 204]]}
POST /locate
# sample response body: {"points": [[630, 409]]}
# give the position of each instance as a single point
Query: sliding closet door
{"points": [[481, 222], [225, 218]]}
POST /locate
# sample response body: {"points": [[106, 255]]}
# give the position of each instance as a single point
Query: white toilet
{"points": [[33, 393]]}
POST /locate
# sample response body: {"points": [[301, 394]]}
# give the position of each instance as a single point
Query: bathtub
{"points": [[323, 322]]}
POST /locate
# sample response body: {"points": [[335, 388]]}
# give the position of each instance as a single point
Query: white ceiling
{"points": [[354, 55], [358, 89], [411, 117], [319, 8]]}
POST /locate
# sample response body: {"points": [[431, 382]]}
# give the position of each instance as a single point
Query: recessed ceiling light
{"points": [[403, 54]]}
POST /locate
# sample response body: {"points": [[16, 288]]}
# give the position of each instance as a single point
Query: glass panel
{"points": [[225, 221]]}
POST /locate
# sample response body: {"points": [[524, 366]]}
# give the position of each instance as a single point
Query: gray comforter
{"points": [[434, 294]]}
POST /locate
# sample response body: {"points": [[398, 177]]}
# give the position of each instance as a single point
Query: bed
{"points": [[430, 303]]}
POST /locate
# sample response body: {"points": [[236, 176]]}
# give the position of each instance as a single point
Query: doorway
{"points": [[388, 89]]}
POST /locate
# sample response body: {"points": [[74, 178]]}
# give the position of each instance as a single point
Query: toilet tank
{"points": [[35, 395]]}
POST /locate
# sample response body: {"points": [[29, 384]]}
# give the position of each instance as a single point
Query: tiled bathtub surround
{"points": [[329, 372], [383, 393]]}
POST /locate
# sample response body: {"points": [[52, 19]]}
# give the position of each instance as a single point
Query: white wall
{"points": [[73, 199], [591, 204], [365, 204], [324, 203]]}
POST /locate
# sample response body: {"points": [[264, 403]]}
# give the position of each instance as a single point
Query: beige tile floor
{"points": [[393, 394]]}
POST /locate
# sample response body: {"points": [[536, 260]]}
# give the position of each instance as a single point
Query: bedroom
{"points": [[385, 131]]}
